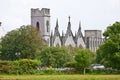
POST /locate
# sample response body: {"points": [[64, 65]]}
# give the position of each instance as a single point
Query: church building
{"points": [[41, 20]]}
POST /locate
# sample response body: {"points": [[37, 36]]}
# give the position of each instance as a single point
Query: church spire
{"points": [[69, 24], [57, 25], [56, 29], [79, 26], [69, 18]]}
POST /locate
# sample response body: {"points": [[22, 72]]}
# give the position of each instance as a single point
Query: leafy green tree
{"points": [[21, 43], [55, 56], [109, 52], [83, 59]]}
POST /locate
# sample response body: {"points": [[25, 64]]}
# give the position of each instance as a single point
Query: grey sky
{"points": [[93, 14]]}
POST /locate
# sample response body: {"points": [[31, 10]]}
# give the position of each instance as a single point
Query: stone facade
{"points": [[67, 39], [41, 20], [93, 39]]}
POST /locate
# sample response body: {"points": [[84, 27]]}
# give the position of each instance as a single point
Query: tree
{"points": [[109, 52], [21, 43], [55, 56], [83, 59]]}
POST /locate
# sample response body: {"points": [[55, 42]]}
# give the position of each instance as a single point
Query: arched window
{"points": [[47, 26], [37, 25]]}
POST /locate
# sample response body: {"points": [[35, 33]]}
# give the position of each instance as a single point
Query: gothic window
{"points": [[37, 25], [47, 26]]}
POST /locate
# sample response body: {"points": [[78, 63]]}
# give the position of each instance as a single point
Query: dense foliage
{"points": [[109, 53], [24, 66], [21, 43], [55, 56], [83, 59]]}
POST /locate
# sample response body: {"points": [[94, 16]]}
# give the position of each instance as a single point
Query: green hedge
{"points": [[23, 66], [5, 67]]}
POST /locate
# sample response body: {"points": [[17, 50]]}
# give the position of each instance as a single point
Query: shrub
{"points": [[28, 65], [4, 67], [24, 66], [70, 64]]}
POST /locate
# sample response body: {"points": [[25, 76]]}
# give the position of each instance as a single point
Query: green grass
{"points": [[59, 77]]}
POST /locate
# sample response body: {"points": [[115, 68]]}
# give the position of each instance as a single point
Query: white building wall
{"points": [[80, 42], [70, 41], [57, 41]]}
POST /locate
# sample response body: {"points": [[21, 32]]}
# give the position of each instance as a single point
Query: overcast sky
{"points": [[93, 14]]}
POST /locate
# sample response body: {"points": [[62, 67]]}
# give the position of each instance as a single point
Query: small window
{"points": [[37, 25], [47, 26]]}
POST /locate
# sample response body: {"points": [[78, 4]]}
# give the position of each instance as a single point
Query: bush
{"points": [[5, 67], [24, 66], [28, 65], [70, 64]]}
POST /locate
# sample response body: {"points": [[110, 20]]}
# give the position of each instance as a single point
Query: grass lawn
{"points": [[59, 77]]}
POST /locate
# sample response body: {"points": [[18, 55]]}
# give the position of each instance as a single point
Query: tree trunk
{"points": [[84, 71]]}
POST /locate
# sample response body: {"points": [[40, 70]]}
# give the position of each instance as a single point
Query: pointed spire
{"points": [[69, 24], [79, 26], [56, 32], [57, 25], [69, 18]]}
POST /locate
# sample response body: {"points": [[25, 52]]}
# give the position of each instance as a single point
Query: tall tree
{"points": [[109, 52], [21, 43], [83, 59]]}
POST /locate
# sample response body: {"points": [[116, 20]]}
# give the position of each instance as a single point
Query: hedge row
{"points": [[23, 66]]}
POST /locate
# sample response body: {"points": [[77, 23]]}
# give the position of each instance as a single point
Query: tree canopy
{"points": [[83, 59], [54, 56], [109, 52], [21, 43]]}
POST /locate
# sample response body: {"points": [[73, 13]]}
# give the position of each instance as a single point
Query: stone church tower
{"points": [[41, 20]]}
